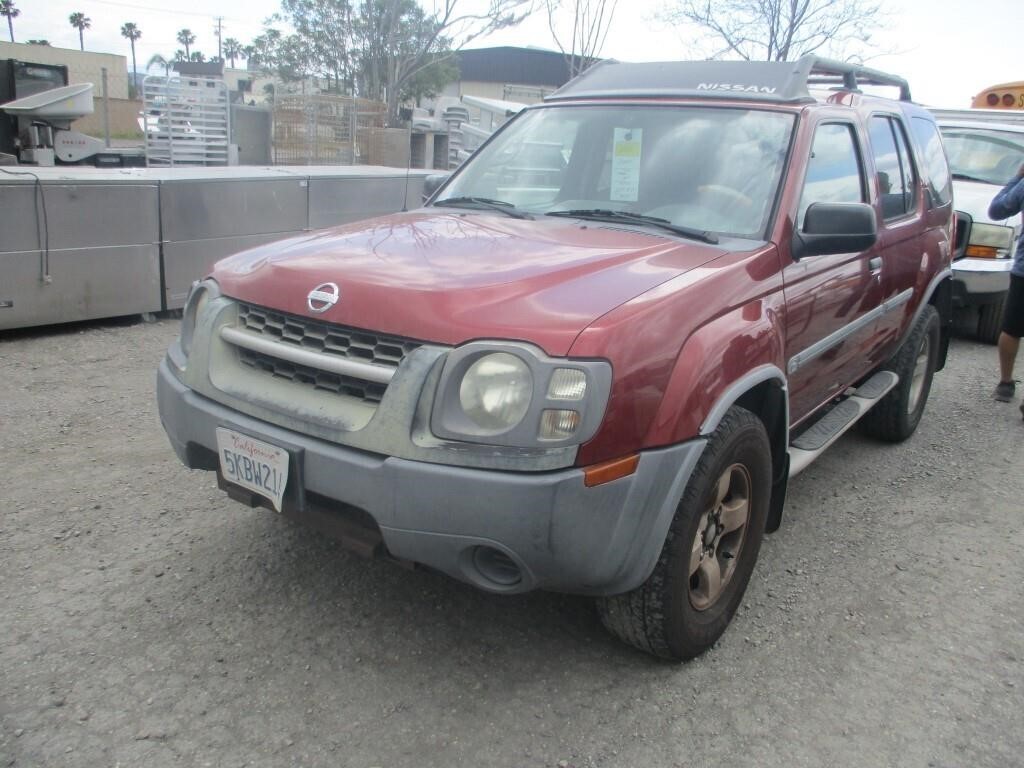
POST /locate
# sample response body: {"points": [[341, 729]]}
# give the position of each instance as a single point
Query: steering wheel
{"points": [[727, 195]]}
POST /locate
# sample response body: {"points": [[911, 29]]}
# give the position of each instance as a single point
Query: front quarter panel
{"points": [[676, 350]]}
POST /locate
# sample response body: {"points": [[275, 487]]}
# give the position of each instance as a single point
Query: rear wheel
{"points": [[709, 553], [990, 320], [897, 415]]}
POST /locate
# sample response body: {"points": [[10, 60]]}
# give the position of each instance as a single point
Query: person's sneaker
{"points": [[1004, 391]]}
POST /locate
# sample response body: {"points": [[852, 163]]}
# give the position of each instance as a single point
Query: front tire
{"points": [[710, 550], [897, 415], [990, 320]]}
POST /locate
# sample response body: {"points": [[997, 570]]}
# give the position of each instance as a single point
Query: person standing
{"points": [[1009, 202]]}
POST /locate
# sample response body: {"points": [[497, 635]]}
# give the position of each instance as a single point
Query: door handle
{"points": [[875, 263]]}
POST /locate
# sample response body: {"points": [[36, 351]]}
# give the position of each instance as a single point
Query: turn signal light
{"points": [[598, 474], [981, 251]]}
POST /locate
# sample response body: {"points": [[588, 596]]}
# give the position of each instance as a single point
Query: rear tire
{"points": [[990, 320], [897, 415], [710, 550]]}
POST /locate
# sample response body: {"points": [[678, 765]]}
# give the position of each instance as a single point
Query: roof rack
{"points": [[772, 81]]}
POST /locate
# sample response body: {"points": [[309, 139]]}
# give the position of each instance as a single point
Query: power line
{"points": [[174, 11]]}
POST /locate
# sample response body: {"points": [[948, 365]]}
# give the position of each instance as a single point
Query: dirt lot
{"points": [[146, 620]]}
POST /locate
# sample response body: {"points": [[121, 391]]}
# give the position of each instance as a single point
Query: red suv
{"points": [[597, 378]]}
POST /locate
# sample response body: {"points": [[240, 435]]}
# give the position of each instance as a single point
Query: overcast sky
{"points": [[948, 49]]}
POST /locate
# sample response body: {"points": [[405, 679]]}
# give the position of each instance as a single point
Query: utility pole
{"points": [[218, 31]]}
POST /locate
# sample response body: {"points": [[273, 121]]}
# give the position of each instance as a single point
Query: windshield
{"points": [[706, 168], [985, 155]]}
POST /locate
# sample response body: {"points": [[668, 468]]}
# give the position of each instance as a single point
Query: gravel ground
{"points": [[146, 620]]}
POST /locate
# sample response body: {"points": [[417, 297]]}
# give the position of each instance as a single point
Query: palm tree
{"points": [[133, 33], [159, 60], [197, 56], [81, 22], [7, 9], [232, 50], [186, 38]]}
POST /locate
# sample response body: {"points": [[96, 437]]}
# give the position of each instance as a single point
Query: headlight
{"points": [[989, 241], [495, 392], [512, 394], [198, 298]]}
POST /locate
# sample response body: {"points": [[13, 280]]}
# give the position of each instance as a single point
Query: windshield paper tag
{"points": [[626, 164]]}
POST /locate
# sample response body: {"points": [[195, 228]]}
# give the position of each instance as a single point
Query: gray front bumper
{"points": [[562, 535], [983, 276]]}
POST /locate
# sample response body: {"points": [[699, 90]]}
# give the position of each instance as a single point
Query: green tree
{"points": [[38, 42], [186, 38], [130, 31], [7, 9], [161, 61], [197, 56], [326, 28], [397, 39], [232, 50], [81, 22]]}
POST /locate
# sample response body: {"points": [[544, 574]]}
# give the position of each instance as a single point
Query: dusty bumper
{"points": [[560, 534], [983, 276]]}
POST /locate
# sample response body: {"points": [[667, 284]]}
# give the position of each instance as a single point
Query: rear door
{"points": [[901, 212]]}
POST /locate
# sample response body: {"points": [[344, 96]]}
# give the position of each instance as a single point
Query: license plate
{"points": [[253, 464]]}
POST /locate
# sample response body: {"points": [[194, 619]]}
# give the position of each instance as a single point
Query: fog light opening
{"points": [[495, 566]]}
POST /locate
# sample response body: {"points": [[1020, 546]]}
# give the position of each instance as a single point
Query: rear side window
{"points": [[892, 164], [934, 158], [833, 171]]}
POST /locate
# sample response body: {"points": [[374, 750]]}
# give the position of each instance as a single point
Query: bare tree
{"points": [[589, 21], [780, 30]]}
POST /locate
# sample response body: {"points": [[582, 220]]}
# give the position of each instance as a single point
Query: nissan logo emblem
{"points": [[323, 297]]}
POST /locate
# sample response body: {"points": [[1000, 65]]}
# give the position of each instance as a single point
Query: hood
{"points": [[452, 277], [973, 198]]}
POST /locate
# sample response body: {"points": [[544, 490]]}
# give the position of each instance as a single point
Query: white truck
{"points": [[985, 149]]}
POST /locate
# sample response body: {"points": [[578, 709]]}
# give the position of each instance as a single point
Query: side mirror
{"points": [[432, 183], [835, 228]]}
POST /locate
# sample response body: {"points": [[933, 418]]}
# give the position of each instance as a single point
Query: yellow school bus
{"points": [[1005, 96]]}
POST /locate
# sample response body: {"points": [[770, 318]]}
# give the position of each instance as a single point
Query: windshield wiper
{"points": [[968, 177], [486, 203], [628, 217]]}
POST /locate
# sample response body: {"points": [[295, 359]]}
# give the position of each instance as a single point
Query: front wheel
{"points": [[897, 415], [709, 552], [990, 320]]}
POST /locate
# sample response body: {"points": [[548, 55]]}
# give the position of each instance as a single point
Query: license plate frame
{"points": [[258, 466]]}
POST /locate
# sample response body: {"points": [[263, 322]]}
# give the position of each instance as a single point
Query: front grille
{"points": [[351, 343], [323, 338], [367, 391]]}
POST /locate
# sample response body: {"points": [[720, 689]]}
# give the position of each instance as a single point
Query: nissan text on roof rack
{"points": [[597, 379]]}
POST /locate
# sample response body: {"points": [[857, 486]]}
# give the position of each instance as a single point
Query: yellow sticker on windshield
{"points": [[626, 151]]}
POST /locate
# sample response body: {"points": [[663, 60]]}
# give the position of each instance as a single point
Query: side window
{"points": [[833, 171], [934, 158], [906, 166], [892, 164]]}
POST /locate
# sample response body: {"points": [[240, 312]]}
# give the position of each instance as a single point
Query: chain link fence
{"points": [[325, 129]]}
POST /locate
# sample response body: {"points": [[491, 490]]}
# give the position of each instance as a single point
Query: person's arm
{"points": [[1010, 199]]}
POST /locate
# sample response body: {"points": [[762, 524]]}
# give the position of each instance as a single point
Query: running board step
{"points": [[813, 441]]}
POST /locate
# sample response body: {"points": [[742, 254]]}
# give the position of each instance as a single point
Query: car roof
{"points": [[778, 82]]}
